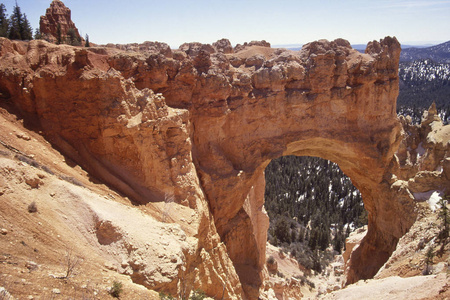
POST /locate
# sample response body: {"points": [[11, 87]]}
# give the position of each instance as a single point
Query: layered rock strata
{"points": [[198, 125]]}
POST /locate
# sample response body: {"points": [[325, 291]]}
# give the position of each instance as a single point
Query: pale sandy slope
{"points": [[418, 287]]}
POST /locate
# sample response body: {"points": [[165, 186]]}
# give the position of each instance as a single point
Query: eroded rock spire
{"points": [[56, 22]]}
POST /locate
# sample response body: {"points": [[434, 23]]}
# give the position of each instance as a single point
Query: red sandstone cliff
{"points": [[197, 127], [57, 15]]}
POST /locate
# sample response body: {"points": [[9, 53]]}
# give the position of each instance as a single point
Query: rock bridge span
{"points": [[198, 125]]}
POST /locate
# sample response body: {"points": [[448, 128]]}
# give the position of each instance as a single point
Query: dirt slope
{"points": [[35, 247]]}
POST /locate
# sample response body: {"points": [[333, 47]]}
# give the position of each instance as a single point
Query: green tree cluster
{"points": [[17, 27], [72, 38], [4, 22]]}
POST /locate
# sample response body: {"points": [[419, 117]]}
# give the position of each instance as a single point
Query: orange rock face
{"points": [[56, 14], [199, 125]]}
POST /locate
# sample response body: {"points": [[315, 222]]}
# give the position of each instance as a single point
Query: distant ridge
{"points": [[439, 53], [359, 47], [362, 47]]}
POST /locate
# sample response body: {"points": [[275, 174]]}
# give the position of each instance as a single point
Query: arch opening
{"points": [[312, 206], [365, 160]]}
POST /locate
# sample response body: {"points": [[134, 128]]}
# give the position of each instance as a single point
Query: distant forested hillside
{"points": [[438, 53], [425, 78], [423, 82]]}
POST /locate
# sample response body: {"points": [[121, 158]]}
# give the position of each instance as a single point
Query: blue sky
{"points": [[278, 22]]}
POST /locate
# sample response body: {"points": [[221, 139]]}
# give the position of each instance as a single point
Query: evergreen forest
{"points": [[17, 26], [312, 208], [423, 82]]}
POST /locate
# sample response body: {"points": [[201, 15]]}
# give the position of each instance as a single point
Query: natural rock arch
{"points": [[218, 120], [344, 111]]}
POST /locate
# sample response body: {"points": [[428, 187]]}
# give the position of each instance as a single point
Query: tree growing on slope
{"points": [[72, 38], [27, 30], [282, 231], [444, 216], [429, 255], [58, 34], [37, 34]]}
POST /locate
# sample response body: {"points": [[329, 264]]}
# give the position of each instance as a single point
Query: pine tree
{"points": [[16, 23], [313, 239], [338, 242], [58, 34], [20, 28], [293, 235], [27, 31], [4, 23], [37, 34], [282, 230], [301, 234], [429, 255], [347, 231], [444, 216], [87, 41], [316, 261]]}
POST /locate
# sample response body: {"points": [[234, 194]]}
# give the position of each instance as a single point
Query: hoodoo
{"points": [[197, 126], [56, 22]]}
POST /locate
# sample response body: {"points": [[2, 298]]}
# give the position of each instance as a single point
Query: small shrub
{"points": [[71, 180], [71, 263], [198, 295], [294, 253], [304, 280], [116, 289], [32, 208], [164, 296], [270, 260], [33, 163], [27, 160]]}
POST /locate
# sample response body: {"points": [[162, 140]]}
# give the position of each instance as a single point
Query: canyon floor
{"points": [[48, 254]]}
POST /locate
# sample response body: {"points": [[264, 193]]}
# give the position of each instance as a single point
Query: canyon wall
{"points": [[198, 125]]}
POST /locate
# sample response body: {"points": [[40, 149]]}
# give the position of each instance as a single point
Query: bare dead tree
{"points": [[71, 263]]}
